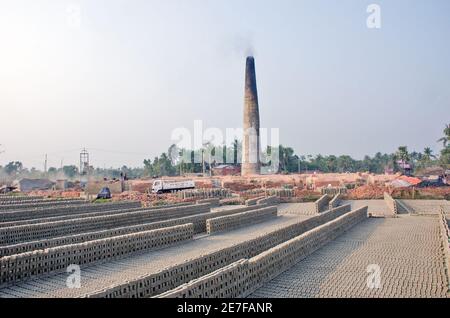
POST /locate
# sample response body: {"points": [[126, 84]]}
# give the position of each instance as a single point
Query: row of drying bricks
{"points": [[48, 228], [179, 234], [167, 278], [243, 277], [94, 247], [30, 203], [327, 202], [173, 276], [38, 211]]}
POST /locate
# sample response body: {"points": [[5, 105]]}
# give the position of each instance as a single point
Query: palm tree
{"points": [[285, 154], [402, 153], [415, 156], [427, 157], [403, 156], [446, 139], [428, 154]]}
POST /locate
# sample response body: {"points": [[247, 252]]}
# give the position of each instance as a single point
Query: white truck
{"points": [[162, 186]]}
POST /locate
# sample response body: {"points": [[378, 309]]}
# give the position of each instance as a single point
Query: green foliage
{"points": [[446, 139], [445, 152], [70, 171], [160, 166], [445, 156], [100, 201], [329, 164], [13, 168], [403, 154], [179, 161]]}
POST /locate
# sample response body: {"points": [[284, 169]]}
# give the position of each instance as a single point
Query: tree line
{"points": [[181, 161], [170, 164]]}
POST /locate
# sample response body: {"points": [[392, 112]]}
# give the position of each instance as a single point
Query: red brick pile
{"points": [[367, 192]]}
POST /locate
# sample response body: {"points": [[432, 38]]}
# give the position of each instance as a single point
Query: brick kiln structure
{"points": [[251, 142]]}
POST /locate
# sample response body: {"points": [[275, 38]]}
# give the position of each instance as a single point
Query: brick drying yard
{"points": [[262, 249], [407, 249]]}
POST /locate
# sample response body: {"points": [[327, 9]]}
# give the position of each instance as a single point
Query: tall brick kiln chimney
{"points": [[251, 143]]}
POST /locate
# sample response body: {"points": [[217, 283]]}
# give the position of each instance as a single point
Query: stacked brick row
{"points": [[24, 233], [198, 220], [204, 193], [27, 205], [334, 191], [253, 201], [35, 200], [253, 192], [155, 205], [8, 250], [334, 203], [391, 203], [227, 282], [214, 202], [14, 199], [244, 276], [444, 221], [235, 200], [64, 210], [24, 266], [235, 221], [170, 278], [72, 216], [280, 192], [86, 215], [322, 204], [426, 207], [272, 200], [273, 262]]}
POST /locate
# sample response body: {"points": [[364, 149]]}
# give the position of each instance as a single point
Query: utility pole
{"points": [[206, 144], [210, 171], [84, 164], [203, 162], [45, 164]]}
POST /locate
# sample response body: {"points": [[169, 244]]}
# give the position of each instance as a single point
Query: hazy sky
{"points": [[121, 75]]}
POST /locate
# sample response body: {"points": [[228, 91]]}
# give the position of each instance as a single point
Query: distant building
{"points": [[405, 166], [61, 184], [226, 170], [389, 170], [27, 185]]}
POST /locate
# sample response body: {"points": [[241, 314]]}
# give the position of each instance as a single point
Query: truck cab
{"points": [[157, 186]]}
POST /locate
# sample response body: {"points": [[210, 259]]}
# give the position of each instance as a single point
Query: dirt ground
{"points": [[302, 187]]}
